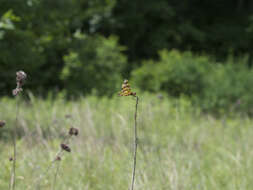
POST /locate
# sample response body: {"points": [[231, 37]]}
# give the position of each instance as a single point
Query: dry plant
{"points": [[20, 80], [2, 123], [64, 147], [126, 91]]}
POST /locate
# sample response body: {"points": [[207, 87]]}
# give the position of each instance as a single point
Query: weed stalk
{"points": [[20, 79], [135, 142], [126, 91], [64, 147], [13, 173]]}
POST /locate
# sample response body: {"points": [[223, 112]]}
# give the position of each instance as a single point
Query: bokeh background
{"points": [[189, 61], [199, 49]]}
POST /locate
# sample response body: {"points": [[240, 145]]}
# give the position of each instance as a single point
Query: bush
{"points": [[35, 36], [174, 73], [228, 87], [212, 86], [94, 65]]}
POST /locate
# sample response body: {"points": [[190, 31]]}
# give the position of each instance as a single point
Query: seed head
{"points": [[2, 123], [20, 76], [73, 131], [20, 80], [65, 147]]}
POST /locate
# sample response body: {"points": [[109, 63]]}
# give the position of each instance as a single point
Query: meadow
{"points": [[180, 148]]}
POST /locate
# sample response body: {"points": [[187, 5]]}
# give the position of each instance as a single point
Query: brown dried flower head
{"points": [[21, 76], [20, 80], [2, 123], [65, 147], [126, 89], [73, 131]]}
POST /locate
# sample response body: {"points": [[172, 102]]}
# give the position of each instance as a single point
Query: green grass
{"points": [[179, 148]]}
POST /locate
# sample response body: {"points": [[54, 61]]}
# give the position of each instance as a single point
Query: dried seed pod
{"points": [[21, 76], [73, 131], [2, 123], [65, 147], [20, 80]]}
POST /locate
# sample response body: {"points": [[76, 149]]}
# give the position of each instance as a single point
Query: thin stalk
{"points": [[38, 181], [55, 176], [135, 142], [58, 154], [13, 173]]}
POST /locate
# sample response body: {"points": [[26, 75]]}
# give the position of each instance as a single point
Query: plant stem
{"points": [[55, 176], [13, 174], [135, 142], [58, 154], [37, 182]]}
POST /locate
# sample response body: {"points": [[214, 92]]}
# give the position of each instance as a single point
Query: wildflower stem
{"points": [[38, 181], [58, 155], [55, 176], [135, 142], [13, 173]]}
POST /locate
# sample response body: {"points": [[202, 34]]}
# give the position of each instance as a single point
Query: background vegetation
{"points": [[86, 47], [189, 61], [179, 147]]}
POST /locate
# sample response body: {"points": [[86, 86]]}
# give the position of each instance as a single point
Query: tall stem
{"points": [[58, 154], [135, 142], [55, 176], [13, 174]]}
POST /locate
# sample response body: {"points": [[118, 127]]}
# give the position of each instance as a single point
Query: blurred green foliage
{"points": [[174, 73], [212, 86], [88, 47], [39, 37], [228, 87], [94, 65], [214, 27]]}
